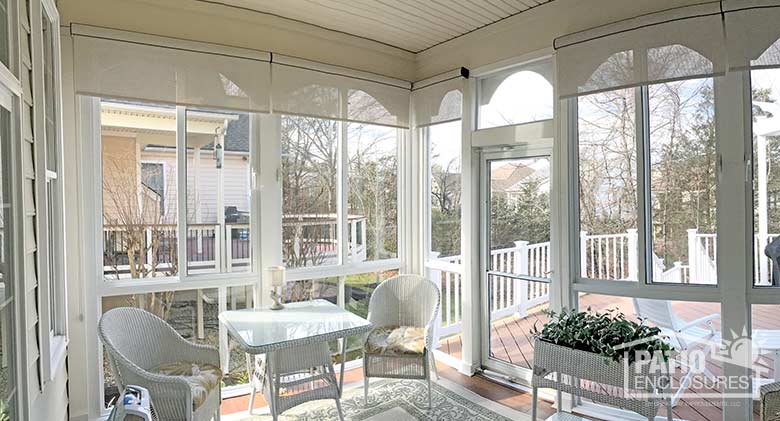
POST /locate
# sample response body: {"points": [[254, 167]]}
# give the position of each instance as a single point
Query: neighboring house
{"points": [[508, 179], [139, 144]]}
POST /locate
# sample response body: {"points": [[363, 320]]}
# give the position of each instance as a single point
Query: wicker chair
{"points": [[399, 306], [770, 402], [139, 344]]}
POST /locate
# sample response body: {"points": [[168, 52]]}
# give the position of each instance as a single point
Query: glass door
{"points": [[516, 257]]}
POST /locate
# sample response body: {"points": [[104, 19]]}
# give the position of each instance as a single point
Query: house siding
{"points": [[42, 397]]}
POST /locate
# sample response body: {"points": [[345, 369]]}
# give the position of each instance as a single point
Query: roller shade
{"points": [[138, 69], [439, 101], [304, 88], [752, 33], [682, 43]]}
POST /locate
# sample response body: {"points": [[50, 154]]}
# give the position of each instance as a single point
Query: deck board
{"points": [[512, 341]]}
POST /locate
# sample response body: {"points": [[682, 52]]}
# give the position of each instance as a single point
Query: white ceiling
{"points": [[413, 25]]}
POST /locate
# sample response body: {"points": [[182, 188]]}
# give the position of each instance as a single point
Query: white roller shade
{"points": [[138, 67], [682, 43], [438, 101], [753, 33], [304, 88]]}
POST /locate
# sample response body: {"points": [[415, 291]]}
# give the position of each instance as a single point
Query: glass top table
{"points": [[259, 331], [299, 332]]}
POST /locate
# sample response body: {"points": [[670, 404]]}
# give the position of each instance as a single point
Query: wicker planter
{"points": [[564, 369]]}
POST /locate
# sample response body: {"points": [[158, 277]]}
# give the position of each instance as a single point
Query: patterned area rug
{"points": [[398, 400]]}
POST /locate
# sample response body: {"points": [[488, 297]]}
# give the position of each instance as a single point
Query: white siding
{"points": [[236, 179]]}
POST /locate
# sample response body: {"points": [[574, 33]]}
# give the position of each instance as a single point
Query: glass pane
{"points": [[373, 192], [5, 33], [194, 314], [139, 201], [765, 335], [607, 182], [515, 96], [766, 181], [697, 346], [445, 176], [311, 289], [218, 192], [683, 181], [8, 338], [310, 193], [519, 244], [49, 89]]}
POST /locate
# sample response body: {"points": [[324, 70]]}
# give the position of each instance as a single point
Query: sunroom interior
{"points": [[456, 203]]}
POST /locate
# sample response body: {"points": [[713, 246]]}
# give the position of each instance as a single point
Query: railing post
{"points": [[353, 240], [520, 287], [693, 256], [149, 249], [584, 254], [678, 271], [435, 276], [633, 254], [228, 248], [363, 242], [219, 241]]}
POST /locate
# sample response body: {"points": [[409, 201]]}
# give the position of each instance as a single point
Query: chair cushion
{"points": [[202, 378], [401, 340]]}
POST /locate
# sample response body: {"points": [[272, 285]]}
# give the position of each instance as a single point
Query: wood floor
{"points": [[511, 341], [480, 385]]}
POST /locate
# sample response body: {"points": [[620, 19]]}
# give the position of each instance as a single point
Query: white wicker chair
{"points": [[137, 342], [403, 301]]}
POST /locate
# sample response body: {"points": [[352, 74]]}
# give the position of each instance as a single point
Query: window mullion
{"points": [[644, 249], [181, 190]]}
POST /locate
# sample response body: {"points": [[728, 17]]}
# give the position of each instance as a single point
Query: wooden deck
{"points": [[511, 341]]}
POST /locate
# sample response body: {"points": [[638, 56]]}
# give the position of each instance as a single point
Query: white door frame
{"points": [[538, 148]]}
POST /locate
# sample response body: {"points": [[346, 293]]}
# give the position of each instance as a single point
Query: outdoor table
{"points": [[280, 333]]}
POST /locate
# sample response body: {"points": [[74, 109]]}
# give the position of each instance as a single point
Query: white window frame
{"points": [[51, 241], [734, 290]]}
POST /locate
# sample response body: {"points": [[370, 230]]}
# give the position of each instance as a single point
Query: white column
{"points": [[471, 248], [763, 210], [584, 254], [196, 204], [267, 155], [220, 140]]}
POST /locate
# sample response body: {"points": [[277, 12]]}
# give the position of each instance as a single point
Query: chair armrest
{"points": [[702, 320], [196, 353]]}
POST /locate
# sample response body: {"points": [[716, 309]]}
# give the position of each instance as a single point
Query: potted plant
{"points": [[604, 348]]}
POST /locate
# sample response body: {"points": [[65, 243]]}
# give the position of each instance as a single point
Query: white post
{"points": [[228, 248], [435, 276], [149, 251], [763, 209], [363, 240], [693, 256], [219, 241], [678, 273], [196, 204], [199, 316], [220, 140], [633, 255], [353, 239], [521, 268], [584, 254]]}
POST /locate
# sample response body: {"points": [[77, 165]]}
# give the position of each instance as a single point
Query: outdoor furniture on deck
{"points": [[183, 378], [295, 342], [403, 310], [682, 335]]}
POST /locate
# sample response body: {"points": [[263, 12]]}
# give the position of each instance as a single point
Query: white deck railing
{"points": [[603, 256]]}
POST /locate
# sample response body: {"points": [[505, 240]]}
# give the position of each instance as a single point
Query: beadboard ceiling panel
{"points": [[412, 25]]}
